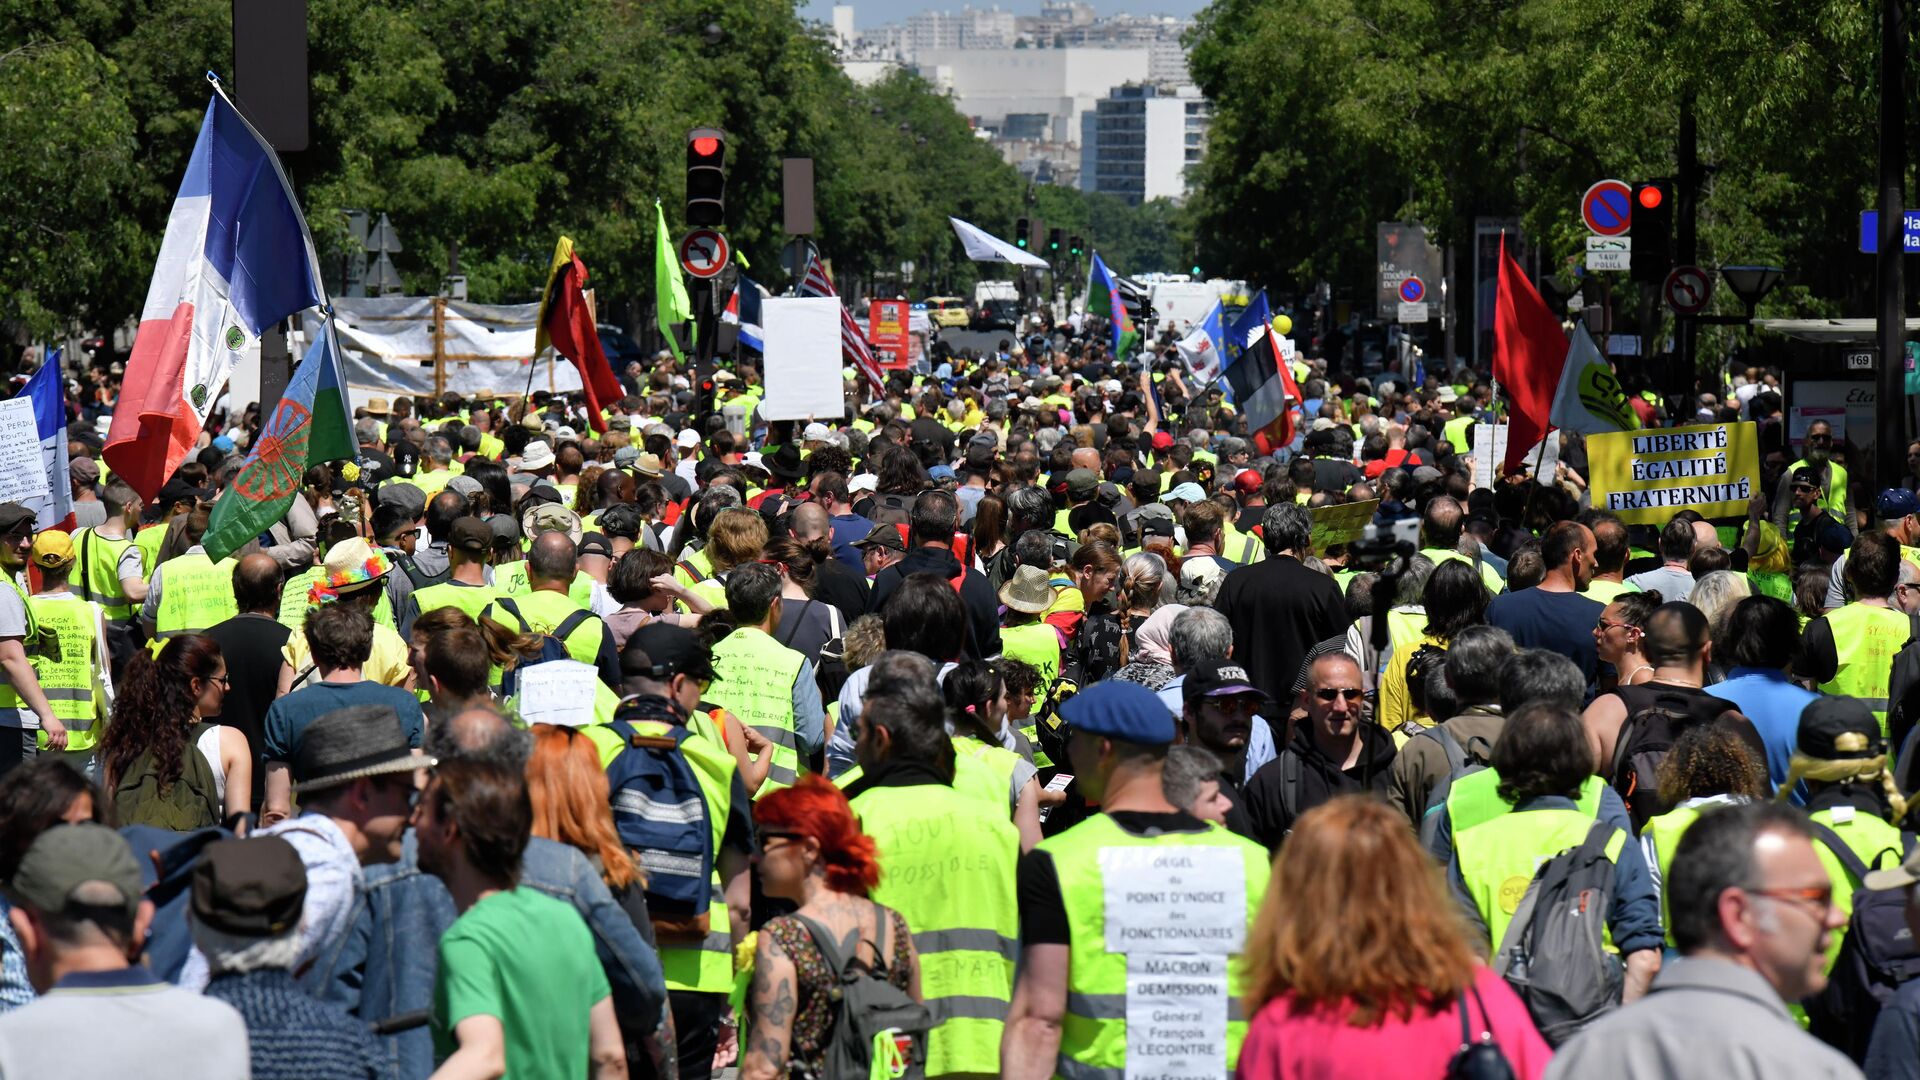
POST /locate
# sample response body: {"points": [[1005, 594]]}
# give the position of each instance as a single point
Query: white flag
{"points": [[1589, 399]]}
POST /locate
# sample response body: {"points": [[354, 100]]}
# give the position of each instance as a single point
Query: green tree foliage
{"points": [[485, 129], [1331, 115]]}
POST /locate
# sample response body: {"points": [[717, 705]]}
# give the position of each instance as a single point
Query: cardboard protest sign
{"points": [[1648, 476], [1342, 524]]}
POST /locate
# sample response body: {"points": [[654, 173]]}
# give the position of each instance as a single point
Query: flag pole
{"points": [[1534, 486]]}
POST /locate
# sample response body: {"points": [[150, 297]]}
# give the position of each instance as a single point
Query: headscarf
{"points": [[1153, 642]]}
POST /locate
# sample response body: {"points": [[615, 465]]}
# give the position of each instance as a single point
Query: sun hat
{"points": [[537, 455], [550, 517], [1029, 591], [649, 466], [346, 744], [351, 565]]}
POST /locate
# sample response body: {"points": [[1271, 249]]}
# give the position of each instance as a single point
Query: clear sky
{"points": [[876, 12]]}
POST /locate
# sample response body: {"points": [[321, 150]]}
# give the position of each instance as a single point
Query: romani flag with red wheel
{"points": [[312, 423]]}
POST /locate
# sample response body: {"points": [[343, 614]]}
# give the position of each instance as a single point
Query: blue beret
{"points": [[1120, 710]]}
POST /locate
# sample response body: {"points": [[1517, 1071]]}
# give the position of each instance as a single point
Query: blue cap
{"points": [[1120, 710], [1895, 503], [941, 472], [222, 443]]}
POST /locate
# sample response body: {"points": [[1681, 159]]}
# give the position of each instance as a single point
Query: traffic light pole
{"points": [[1687, 249], [1890, 399]]}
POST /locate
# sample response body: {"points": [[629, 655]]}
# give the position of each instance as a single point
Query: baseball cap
{"points": [[1187, 492], [251, 888], [688, 438], [1219, 678], [1805, 475], [1163, 440], [470, 534], [862, 482], [1248, 482], [1838, 728], [816, 432], [465, 485], [1081, 484], [1120, 710], [886, 536], [1896, 503], [594, 543], [66, 857], [84, 470], [662, 650], [52, 548]]}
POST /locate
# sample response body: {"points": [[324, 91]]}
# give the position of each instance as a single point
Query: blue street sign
{"points": [[1412, 290], [1870, 231]]}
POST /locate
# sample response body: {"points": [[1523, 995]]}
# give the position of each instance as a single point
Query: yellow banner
{"points": [[1648, 476]]}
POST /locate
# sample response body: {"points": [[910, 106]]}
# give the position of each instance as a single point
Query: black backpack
{"points": [[552, 646], [1876, 958], [1656, 717], [1552, 953], [869, 1012]]}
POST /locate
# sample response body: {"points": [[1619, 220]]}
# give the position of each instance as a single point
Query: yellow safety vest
{"points": [[510, 579], [1239, 547], [543, 612], [10, 697], [705, 966], [1666, 830], [63, 659], [1498, 858], [1455, 431], [195, 594], [1833, 494], [149, 540], [1475, 799], [99, 574], [754, 681], [997, 762], [1036, 644], [947, 865], [491, 448], [1488, 575], [1869, 837], [1093, 1033], [1608, 591], [472, 599], [1866, 637]]}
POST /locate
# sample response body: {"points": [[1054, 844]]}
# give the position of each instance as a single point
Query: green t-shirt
{"points": [[541, 996]]}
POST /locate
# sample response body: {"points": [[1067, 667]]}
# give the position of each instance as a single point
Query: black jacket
{"points": [[976, 595], [1302, 777]]}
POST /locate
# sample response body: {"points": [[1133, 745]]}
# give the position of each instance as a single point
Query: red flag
{"points": [[1529, 352], [1280, 431], [569, 326]]}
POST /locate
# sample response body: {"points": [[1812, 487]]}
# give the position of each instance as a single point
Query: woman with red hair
{"points": [[813, 853]]}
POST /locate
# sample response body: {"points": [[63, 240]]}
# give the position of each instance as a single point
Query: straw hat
{"points": [[1029, 591]]}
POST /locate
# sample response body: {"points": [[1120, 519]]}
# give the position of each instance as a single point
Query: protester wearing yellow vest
{"points": [[469, 542], [1827, 473], [112, 569], [1544, 762], [549, 609], [70, 657], [1117, 894], [767, 685], [947, 864], [190, 592], [352, 573], [22, 705], [1028, 595], [663, 670], [1849, 651], [1440, 528]]}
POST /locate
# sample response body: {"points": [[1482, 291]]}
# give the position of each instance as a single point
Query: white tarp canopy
{"points": [[982, 246], [1835, 331], [387, 347]]}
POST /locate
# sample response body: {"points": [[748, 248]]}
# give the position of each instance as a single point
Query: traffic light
{"points": [[1075, 246], [1054, 237], [1652, 231], [1196, 270], [706, 177], [1020, 230]]}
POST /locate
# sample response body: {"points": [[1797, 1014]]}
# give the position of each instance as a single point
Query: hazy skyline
{"points": [[877, 12]]}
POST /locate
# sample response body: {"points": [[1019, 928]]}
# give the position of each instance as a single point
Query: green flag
{"points": [[670, 289], [312, 423]]}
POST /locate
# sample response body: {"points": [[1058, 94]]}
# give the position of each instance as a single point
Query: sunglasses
{"points": [[1803, 487], [1332, 694]]}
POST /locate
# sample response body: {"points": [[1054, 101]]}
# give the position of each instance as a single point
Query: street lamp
{"points": [[1752, 283]]}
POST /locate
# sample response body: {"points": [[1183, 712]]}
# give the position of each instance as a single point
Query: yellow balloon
{"points": [[1282, 324]]}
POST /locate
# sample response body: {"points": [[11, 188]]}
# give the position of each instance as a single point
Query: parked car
{"points": [[947, 311]]}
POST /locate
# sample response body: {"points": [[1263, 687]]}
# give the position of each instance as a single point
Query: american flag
{"points": [[853, 344]]}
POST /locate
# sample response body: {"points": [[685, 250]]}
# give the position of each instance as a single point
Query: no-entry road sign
{"points": [[1687, 290], [704, 253], [1607, 207]]}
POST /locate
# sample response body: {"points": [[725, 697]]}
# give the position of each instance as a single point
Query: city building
{"points": [[1141, 141]]}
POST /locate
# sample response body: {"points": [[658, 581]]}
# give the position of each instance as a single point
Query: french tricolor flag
{"points": [[54, 510], [237, 258]]}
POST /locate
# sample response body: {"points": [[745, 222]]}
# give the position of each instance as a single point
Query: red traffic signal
{"points": [[1650, 197], [706, 178], [705, 146]]}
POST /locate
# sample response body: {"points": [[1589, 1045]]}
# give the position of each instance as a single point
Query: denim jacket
{"points": [[633, 967], [384, 966]]}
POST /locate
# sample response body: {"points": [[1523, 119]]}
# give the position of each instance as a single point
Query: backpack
{"points": [[1551, 954], [891, 510], [1459, 764], [1876, 957], [660, 813], [873, 1018], [420, 578], [1656, 717], [189, 803], [552, 646]]}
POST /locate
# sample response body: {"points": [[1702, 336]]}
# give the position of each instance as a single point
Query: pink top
{"points": [[1319, 1044]]}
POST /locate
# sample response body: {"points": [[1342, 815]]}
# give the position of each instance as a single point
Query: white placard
{"points": [[1174, 899], [23, 473], [1176, 1017], [1609, 260], [558, 692], [1490, 448], [1413, 313], [802, 372]]}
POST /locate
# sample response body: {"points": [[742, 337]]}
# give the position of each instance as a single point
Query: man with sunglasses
{"points": [[23, 704], [1218, 706], [1826, 475], [1752, 912], [1816, 533], [1334, 751], [1896, 512]]}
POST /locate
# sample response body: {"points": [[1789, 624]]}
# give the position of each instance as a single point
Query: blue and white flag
{"points": [[52, 509], [1251, 323], [1201, 349]]}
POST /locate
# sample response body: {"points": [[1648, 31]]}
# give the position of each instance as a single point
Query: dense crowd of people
{"points": [[1027, 720]]}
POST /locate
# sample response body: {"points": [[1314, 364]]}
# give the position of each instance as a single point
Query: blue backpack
{"points": [[661, 813], [552, 646]]}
